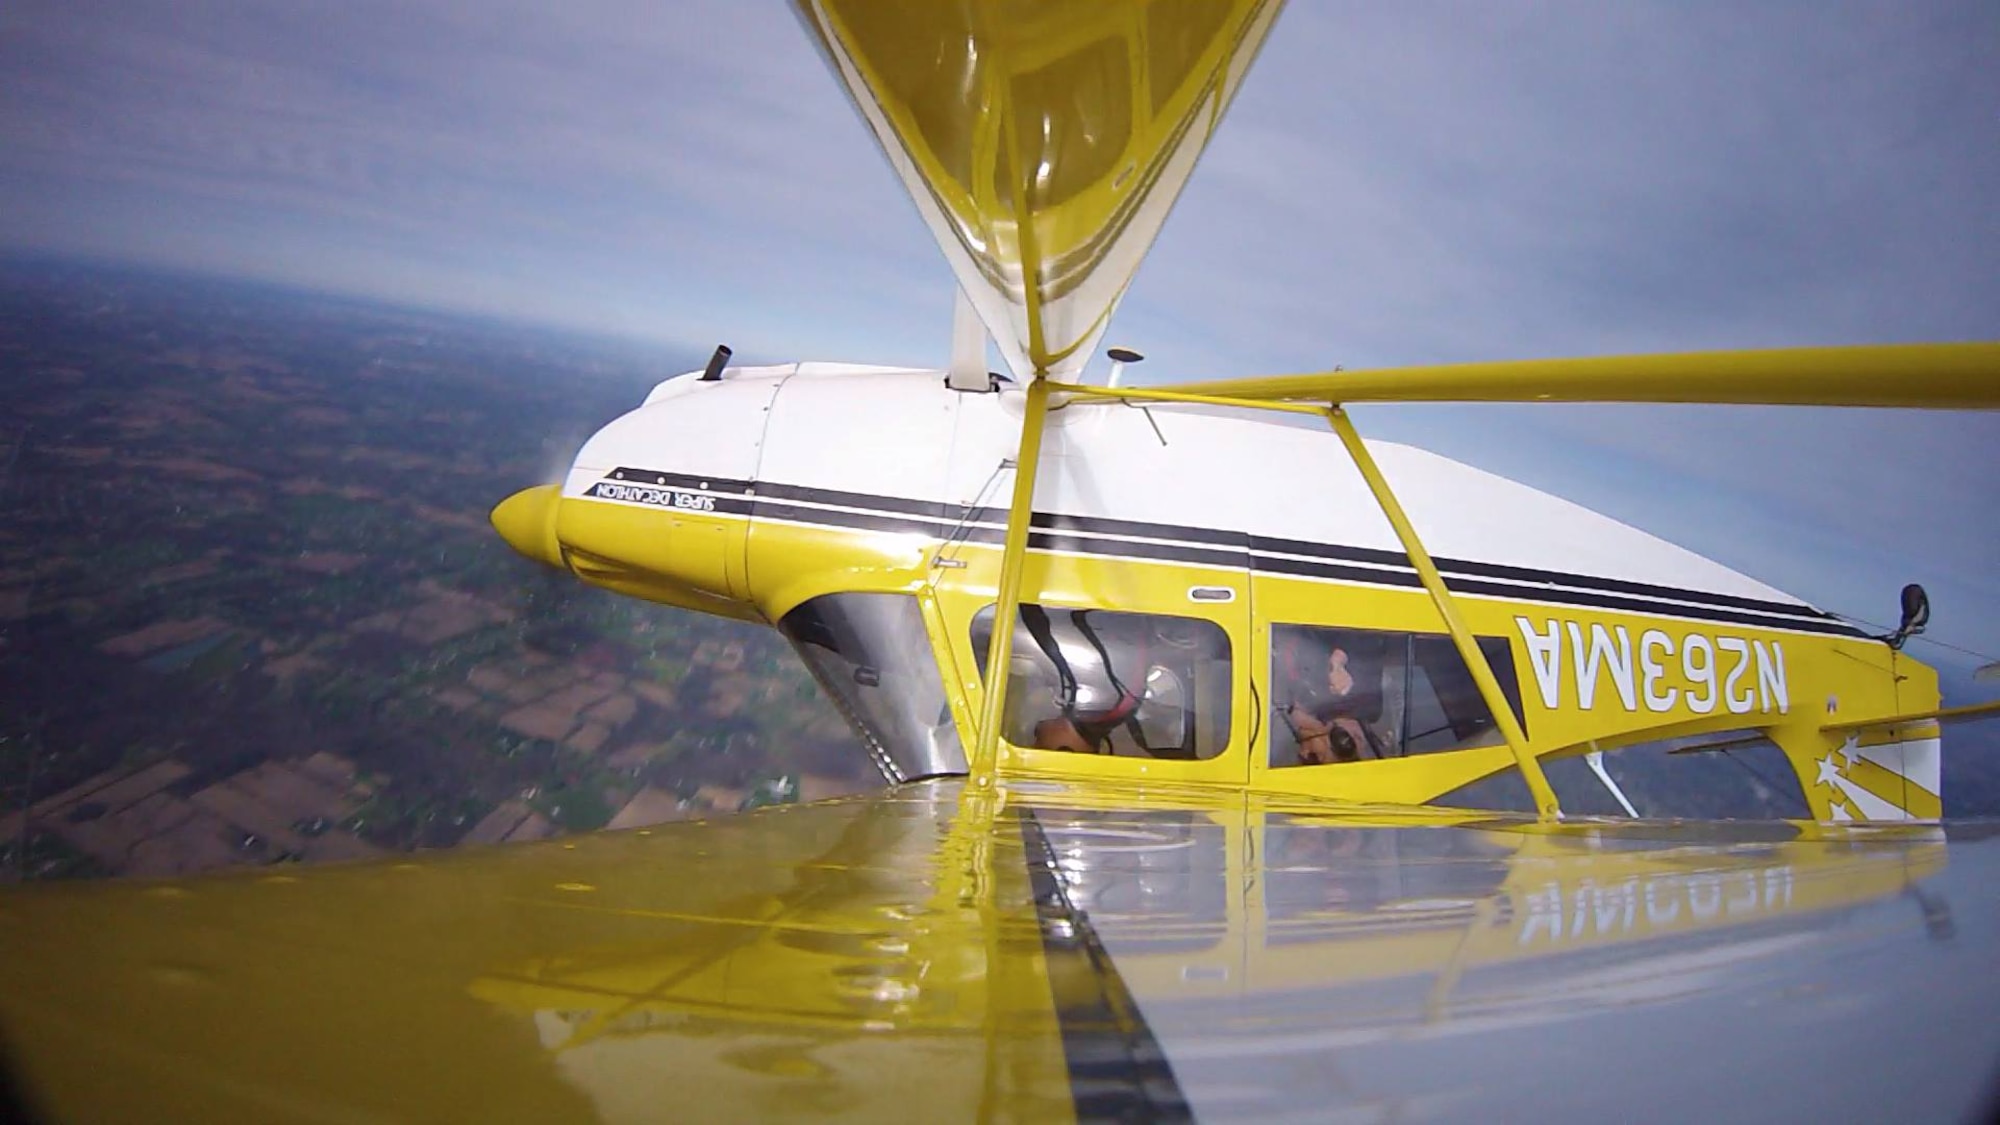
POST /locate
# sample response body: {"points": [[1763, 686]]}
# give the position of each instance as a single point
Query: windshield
{"points": [[870, 653]]}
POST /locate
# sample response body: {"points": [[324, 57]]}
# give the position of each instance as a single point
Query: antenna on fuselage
{"points": [[1119, 358], [713, 372]]}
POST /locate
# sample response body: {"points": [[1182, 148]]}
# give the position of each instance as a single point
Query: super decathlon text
{"points": [[1657, 670], [658, 497]]}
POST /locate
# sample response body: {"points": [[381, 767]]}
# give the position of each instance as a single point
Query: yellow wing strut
{"points": [[1461, 634], [1933, 376], [1007, 600], [1966, 713]]}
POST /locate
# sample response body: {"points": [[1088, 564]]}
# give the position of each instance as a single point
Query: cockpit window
{"points": [[1095, 681], [1721, 775], [1348, 695], [870, 653]]}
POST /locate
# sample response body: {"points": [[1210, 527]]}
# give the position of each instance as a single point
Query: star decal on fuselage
{"points": [[1833, 775]]}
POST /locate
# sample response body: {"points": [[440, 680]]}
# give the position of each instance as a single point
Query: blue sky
{"points": [[1396, 184]]}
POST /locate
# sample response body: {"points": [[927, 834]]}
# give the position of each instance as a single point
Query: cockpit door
{"points": [[1132, 647]]}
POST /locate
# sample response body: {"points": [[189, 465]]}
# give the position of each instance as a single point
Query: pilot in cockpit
{"points": [[1336, 723]]}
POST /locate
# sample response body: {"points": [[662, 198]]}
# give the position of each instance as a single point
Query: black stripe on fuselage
{"points": [[1117, 1071], [1217, 547], [1339, 572], [1261, 546], [859, 521], [1623, 586], [1596, 600], [899, 505]]}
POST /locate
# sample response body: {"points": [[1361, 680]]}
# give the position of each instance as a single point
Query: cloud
{"points": [[1433, 181], [696, 158]]}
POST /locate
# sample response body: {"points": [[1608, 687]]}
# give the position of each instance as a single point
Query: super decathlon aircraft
{"points": [[1206, 829]]}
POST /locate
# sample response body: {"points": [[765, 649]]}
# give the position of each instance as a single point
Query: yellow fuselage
{"points": [[1158, 513]]}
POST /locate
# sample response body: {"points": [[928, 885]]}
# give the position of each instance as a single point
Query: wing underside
{"points": [[1043, 145]]}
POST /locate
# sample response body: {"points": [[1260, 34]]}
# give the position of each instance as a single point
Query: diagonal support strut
{"points": [[1007, 600], [1461, 634]]}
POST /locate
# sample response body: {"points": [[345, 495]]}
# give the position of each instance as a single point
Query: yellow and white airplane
{"points": [[1304, 779]]}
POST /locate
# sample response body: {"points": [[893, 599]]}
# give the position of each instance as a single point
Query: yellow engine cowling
{"points": [[686, 559]]}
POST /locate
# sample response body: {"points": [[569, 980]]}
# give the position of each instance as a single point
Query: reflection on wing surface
{"points": [[1163, 866], [1067, 952]]}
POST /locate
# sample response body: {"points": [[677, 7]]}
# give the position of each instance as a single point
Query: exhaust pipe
{"points": [[716, 362]]}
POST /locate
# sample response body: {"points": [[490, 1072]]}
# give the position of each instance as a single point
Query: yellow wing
{"points": [[1042, 144], [1063, 954], [1939, 376]]}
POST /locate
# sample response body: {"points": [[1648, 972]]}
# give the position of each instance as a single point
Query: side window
{"points": [[1726, 775], [1095, 681], [1350, 695]]}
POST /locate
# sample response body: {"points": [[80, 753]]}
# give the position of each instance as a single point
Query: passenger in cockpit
{"points": [[1092, 701], [1062, 734], [1336, 726], [1091, 681]]}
